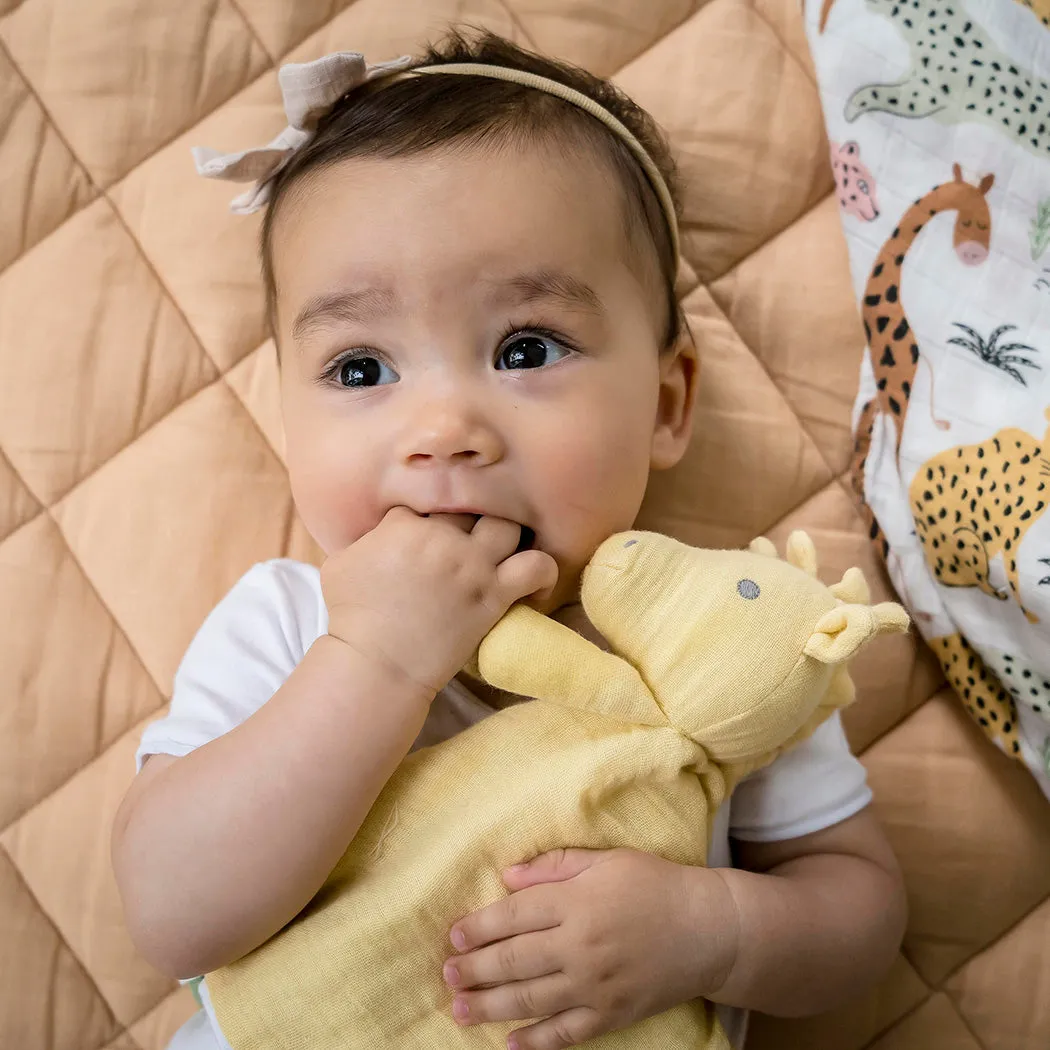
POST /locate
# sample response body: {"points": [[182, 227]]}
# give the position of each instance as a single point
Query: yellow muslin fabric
{"points": [[720, 660]]}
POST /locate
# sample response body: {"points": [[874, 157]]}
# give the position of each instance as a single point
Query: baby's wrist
{"points": [[386, 675], [715, 910]]}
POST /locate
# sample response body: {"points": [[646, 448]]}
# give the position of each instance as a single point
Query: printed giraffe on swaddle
{"points": [[957, 74], [892, 346]]}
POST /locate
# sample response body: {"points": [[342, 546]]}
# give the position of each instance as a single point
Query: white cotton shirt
{"points": [[254, 638]]}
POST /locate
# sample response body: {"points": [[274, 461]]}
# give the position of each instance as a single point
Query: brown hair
{"points": [[418, 114]]}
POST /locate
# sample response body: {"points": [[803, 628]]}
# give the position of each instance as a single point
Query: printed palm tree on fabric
{"points": [[1002, 357]]}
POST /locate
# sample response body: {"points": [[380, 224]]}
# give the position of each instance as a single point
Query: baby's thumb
{"points": [[527, 573]]}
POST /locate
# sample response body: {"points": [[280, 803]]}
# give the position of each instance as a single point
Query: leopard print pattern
{"points": [[1027, 684], [854, 183], [988, 703], [973, 502], [1040, 8], [958, 74]]}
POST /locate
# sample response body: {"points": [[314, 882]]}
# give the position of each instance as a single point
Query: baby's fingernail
{"points": [[460, 1010], [451, 974], [458, 939]]}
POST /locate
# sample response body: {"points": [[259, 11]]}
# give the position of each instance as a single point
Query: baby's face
{"points": [[463, 333]]}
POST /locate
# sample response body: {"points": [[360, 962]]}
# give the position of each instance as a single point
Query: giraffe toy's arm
{"points": [[532, 655]]}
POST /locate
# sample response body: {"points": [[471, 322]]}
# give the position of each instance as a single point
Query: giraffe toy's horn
{"points": [[760, 545], [802, 553], [852, 587]]}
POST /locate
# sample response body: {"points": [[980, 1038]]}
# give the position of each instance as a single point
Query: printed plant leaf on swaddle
{"points": [[951, 460], [1039, 235]]}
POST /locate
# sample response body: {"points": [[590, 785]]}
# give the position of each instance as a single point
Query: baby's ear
{"points": [[842, 631]]}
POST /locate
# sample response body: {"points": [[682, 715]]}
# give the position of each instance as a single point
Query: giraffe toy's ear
{"points": [[957, 172], [801, 553], [986, 183], [842, 631], [852, 587], [760, 545]]}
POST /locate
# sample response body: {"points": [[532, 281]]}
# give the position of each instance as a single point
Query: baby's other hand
{"points": [[592, 941], [419, 592]]}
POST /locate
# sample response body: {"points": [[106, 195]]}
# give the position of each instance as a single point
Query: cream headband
{"points": [[311, 89]]}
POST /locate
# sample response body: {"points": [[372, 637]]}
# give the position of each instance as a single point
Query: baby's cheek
{"points": [[595, 481], [333, 496]]}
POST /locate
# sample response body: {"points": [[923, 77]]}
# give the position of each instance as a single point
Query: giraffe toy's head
{"points": [[973, 224], [738, 647]]}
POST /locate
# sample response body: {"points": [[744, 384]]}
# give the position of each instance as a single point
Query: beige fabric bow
{"points": [[309, 90]]}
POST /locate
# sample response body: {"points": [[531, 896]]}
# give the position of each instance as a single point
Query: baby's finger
{"points": [[562, 1030], [517, 1001], [463, 522], [498, 537], [526, 573]]}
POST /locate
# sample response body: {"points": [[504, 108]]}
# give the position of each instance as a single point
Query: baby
{"points": [[471, 285]]}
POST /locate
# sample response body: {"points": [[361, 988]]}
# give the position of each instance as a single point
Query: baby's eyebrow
{"points": [[361, 305], [354, 307], [548, 284]]}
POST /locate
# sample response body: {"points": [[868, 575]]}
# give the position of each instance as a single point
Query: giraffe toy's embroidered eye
{"points": [[630, 543], [748, 589]]}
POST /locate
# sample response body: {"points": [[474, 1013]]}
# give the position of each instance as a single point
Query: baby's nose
{"points": [[452, 435]]}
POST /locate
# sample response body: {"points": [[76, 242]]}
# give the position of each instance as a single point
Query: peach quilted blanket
{"points": [[141, 470]]}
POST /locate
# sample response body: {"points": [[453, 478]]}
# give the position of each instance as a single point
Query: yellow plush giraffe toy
{"points": [[720, 660]]}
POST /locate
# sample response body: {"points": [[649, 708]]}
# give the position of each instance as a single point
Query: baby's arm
{"points": [[819, 918], [217, 851]]}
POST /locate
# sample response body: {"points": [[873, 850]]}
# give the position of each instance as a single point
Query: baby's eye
{"points": [[529, 350], [353, 372]]}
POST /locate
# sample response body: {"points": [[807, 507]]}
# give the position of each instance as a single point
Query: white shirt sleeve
{"points": [[813, 786], [243, 653]]}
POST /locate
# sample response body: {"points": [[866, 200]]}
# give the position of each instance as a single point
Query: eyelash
{"points": [[332, 371], [537, 329]]}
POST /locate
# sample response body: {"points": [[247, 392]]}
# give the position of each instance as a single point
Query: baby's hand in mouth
{"points": [[467, 522]]}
